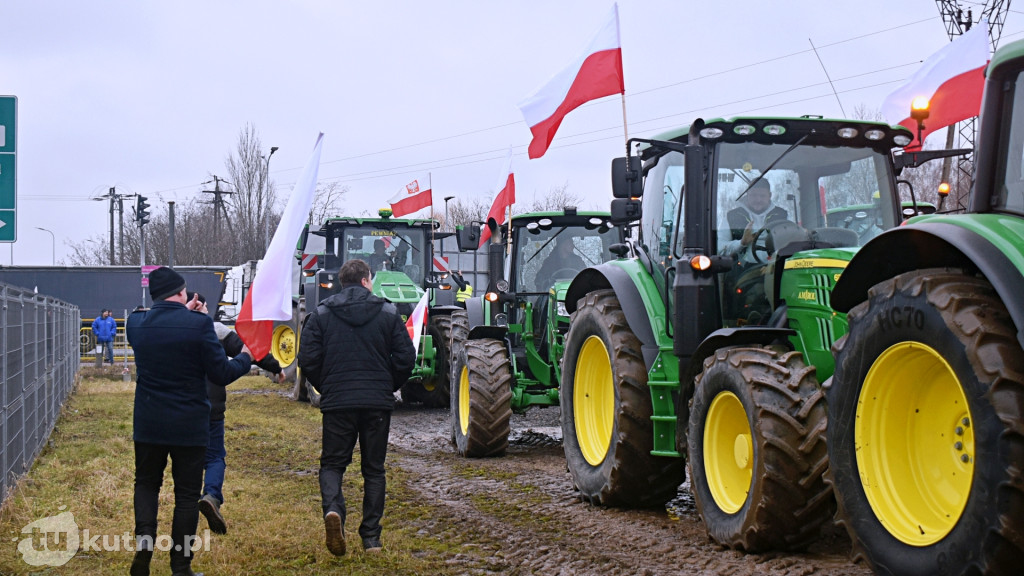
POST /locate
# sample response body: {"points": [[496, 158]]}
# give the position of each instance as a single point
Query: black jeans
{"points": [[341, 429], [187, 470]]}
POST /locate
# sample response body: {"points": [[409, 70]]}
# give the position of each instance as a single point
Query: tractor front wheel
{"points": [[757, 450], [481, 399], [925, 438], [606, 412]]}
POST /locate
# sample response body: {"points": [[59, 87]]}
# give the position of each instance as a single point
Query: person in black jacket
{"points": [[176, 351], [356, 352], [213, 476]]}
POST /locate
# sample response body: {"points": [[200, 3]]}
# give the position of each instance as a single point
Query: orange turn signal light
{"points": [[700, 263]]}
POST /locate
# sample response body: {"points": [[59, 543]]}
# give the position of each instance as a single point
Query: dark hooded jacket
{"points": [[355, 350], [232, 344]]}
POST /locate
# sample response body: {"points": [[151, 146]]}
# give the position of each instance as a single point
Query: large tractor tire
{"points": [[607, 432], [434, 392], [926, 437], [458, 335], [304, 391], [757, 450], [481, 400]]}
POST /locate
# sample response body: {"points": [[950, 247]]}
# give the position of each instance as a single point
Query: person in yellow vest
{"points": [[465, 289]]}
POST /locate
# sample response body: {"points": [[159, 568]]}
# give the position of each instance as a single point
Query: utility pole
{"points": [[218, 204], [113, 195], [170, 239], [120, 224]]}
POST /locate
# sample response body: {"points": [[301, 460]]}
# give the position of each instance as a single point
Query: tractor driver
{"points": [[380, 260], [754, 213], [559, 263]]}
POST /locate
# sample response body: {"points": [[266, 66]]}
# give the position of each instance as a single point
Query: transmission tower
{"points": [[218, 204], [958, 20]]}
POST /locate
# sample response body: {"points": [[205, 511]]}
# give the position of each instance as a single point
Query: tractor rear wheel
{"points": [[434, 391], [925, 436], [757, 450], [606, 412], [481, 399]]}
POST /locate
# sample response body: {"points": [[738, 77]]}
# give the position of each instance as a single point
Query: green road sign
{"points": [[8, 168]]}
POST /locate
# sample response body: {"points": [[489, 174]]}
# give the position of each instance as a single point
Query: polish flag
{"points": [[417, 320], [505, 198], [410, 199], [595, 74], [270, 295], [952, 80]]}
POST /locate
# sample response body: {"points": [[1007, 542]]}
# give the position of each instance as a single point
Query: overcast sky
{"points": [[149, 97]]}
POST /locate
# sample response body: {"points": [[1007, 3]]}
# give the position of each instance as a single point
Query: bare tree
{"points": [[557, 198], [252, 204], [327, 201]]}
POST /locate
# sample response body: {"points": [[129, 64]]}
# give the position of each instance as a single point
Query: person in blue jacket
{"points": [[176, 351], [104, 328]]}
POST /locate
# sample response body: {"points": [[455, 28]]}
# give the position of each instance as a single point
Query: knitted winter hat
{"points": [[164, 282]]}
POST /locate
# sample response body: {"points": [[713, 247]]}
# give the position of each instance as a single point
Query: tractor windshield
{"points": [[841, 196], [386, 248], [544, 257], [1010, 172]]}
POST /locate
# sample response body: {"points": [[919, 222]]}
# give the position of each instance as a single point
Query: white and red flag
{"points": [[952, 80], [417, 320], [505, 198], [594, 74], [410, 199], [270, 295]]}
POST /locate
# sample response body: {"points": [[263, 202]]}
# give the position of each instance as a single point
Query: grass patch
{"points": [[272, 497]]}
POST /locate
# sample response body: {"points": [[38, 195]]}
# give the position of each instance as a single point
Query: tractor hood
{"points": [[396, 287]]}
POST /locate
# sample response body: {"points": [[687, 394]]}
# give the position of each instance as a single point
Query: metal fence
{"points": [[39, 337]]}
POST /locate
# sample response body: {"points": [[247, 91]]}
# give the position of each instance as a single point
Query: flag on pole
{"points": [[505, 198], [417, 320], [594, 74], [952, 80], [270, 295], [410, 199]]}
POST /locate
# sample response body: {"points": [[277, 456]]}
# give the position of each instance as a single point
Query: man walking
{"points": [[356, 352], [176, 351], [213, 477], [104, 328]]}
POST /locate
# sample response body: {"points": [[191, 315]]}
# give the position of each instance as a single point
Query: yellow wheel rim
{"points": [[283, 345], [464, 401], [914, 442], [593, 400], [728, 452]]}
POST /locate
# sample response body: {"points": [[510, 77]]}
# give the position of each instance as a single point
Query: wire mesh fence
{"points": [[40, 342]]}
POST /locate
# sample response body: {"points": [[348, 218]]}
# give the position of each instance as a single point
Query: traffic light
{"points": [[141, 211]]}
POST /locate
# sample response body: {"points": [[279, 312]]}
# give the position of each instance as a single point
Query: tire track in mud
{"points": [[520, 514]]}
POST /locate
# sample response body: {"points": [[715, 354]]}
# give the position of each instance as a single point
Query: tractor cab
{"points": [[399, 253], [774, 189]]}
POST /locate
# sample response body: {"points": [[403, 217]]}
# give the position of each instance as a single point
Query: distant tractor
{"points": [[507, 344], [926, 407], [400, 254], [706, 341]]}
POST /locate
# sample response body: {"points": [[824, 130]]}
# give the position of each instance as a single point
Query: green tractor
{"points": [[706, 341], [400, 255], [926, 407], [507, 343]]}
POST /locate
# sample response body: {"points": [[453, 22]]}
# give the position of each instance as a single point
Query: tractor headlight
{"points": [[500, 320], [560, 309]]}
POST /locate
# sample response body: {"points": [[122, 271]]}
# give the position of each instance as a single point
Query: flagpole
{"points": [[618, 37], [430, 186]]}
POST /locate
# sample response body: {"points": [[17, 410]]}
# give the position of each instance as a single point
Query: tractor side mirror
{"points": [[468, 237], [626, 181], [625, 211]]}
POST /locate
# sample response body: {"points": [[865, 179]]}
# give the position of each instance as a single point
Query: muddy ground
{"points": [[520, 514]]}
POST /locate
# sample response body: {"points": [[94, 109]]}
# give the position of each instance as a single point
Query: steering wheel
{"points": [[759, 245]]}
